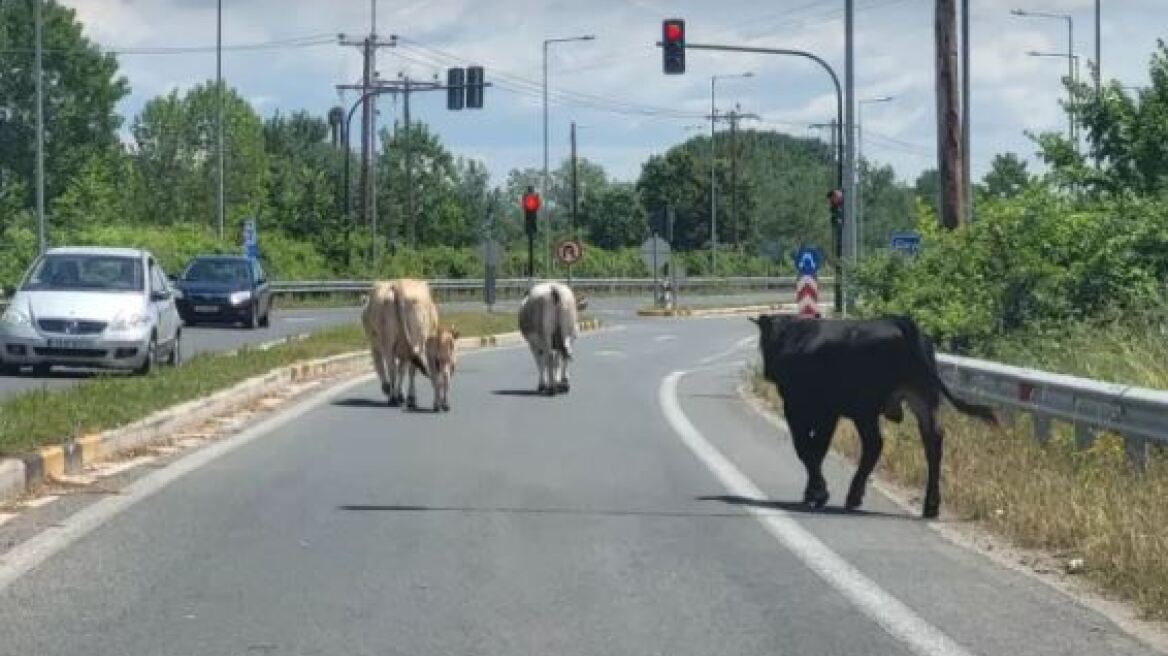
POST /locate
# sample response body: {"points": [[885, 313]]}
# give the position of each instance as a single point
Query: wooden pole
{"points": [[949, 139]]}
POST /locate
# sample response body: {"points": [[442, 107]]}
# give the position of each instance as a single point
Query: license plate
{"points": [[206, 308], [70, 343]]}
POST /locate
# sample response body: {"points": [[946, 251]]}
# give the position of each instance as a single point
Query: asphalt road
{"points": [[648, 512], [285, 322]]}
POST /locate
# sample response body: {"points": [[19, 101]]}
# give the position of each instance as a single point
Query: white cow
{"points": [[547, 319], [399, 319]]}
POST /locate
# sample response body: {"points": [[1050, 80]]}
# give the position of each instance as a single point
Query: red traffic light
{"points": [[531, 202], [673, 30]]}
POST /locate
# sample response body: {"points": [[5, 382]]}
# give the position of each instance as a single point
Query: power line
{"points": [[278, 44]]}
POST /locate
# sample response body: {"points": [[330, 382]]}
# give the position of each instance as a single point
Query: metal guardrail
{"points": [[1139, 415], [521, 284]]}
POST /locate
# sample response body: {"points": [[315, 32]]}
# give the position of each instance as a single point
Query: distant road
{"points": [[202, 339]]}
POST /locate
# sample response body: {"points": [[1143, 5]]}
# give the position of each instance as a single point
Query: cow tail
{"points": [[416, 358], [924, 352], [557, 328]]}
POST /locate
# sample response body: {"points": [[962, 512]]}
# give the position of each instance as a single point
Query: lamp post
{"points": [[858, 238], [1070, 55], [544, 192], [713, 184], [1073, 64]]}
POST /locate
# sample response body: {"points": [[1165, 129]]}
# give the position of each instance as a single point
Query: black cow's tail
{"points": [[416, 359], [557, 327], [924, 352]]}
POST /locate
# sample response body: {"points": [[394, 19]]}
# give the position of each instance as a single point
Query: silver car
{"points": [[109, 308]]}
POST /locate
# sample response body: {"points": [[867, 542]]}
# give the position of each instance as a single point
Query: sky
{"points": [[613, 87]]}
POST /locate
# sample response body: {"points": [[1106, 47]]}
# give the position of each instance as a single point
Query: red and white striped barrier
{"points": [[807, 296]]}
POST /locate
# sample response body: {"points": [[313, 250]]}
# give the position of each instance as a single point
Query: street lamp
{"points": [[547, 229], [1070, 54], [858, 224], [713, 185], [1073, 62]]}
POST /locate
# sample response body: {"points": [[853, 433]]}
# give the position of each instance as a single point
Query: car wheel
{"points": [[151, 357], [42, 370], [266, 320], [253, 317], [9, 369], [174, 358]]}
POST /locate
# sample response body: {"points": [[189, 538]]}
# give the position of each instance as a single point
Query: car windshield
{"points": [[79, 272], [228, 272]]}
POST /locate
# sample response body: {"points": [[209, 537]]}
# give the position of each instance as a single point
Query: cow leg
{"points": [[379, 367], [803, 438], [817, 447], [565, 386], [549, 364], [933, 440], [537, 354], [871, 444], [396, 375], [412, 394]]}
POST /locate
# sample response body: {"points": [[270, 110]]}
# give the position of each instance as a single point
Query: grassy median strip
{"points": [[1086, 508], [45, 416]]}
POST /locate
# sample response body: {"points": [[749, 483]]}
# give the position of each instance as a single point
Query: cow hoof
{"points": [[411, 404], [564, 388], [853, 502], [542, 389], [445, 407], [816, 500], [395, 402]]}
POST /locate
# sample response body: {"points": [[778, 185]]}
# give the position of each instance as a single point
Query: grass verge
{"points": [[48, 416], [1086, 508]]}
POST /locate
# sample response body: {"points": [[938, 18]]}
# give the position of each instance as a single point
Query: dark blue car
{"points": [[224, 289]]}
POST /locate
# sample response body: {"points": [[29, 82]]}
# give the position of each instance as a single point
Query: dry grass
{"points": [[1072, 504]]}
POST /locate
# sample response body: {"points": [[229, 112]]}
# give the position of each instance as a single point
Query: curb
{"points": [[28, 472]]}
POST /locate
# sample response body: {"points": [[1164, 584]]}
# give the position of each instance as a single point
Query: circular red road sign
{"points": [[569, 251]]}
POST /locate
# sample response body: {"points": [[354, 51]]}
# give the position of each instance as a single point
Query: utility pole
{"points": [[734, 117], [849, 237], [38, 28], [966, 181], [411, 223], [219, 119], [369, 46], [1098, 47], [575, 193], [949, 140]]}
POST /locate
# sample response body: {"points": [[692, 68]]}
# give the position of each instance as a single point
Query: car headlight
{"points": [[130, 321], [239, 298], [15, 317]]}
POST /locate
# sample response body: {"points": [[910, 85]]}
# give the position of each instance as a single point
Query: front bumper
{"points": [[218, 310], [31, 347]]}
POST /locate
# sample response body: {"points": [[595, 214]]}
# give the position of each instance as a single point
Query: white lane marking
{"points": [[40, 501], [900, 621], [27, 556], [664, 338], [610, 353], [5, 517], [738, 346]]}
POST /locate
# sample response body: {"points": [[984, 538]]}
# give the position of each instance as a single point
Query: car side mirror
{"points": [[159, 295], [173, 278], [8, 291]]}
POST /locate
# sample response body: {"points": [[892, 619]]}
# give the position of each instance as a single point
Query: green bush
{"points": [[1029, 263]]}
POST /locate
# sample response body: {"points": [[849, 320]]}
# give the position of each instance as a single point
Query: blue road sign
{"points": [[907, 242], [807, 260]]}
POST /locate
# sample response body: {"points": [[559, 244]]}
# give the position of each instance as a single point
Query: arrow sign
{"points": [[807, 261]]}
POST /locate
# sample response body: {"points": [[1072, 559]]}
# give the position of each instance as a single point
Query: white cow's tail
{"points": [[415, 348]]}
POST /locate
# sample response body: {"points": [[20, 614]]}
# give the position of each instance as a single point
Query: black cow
{"points": [[859, 369]]}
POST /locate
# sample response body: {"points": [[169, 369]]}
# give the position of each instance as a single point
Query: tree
{"points": [[1007, 177], [175, 158], [81, 90], [888, 206], [614, 218], [304, 182], [439, 218], [928, 189], [1126, 136], [102, 193]]}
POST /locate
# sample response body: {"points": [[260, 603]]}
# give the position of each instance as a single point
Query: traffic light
{"points": [[673, 45], [474, 87], [455, 88], [530, 205]]}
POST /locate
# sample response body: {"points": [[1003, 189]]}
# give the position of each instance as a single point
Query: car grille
{"points": [[71, 327], [54, 352], [206, 299]]}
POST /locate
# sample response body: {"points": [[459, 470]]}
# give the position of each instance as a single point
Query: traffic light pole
{"points": [[839, 108]]}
